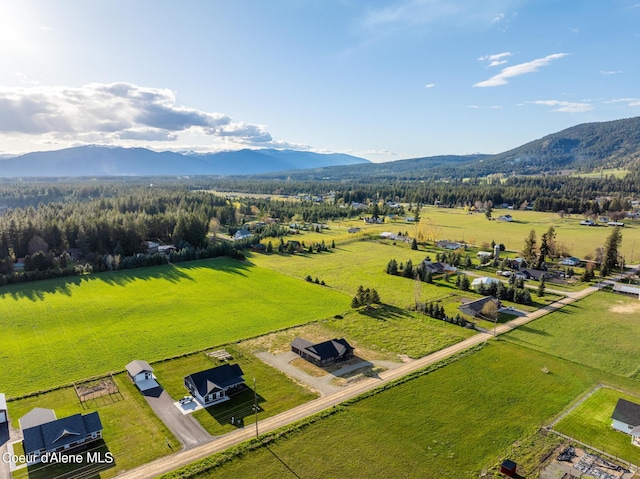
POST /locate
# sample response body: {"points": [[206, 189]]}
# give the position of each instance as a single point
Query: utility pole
{"points": [[255, 404]]}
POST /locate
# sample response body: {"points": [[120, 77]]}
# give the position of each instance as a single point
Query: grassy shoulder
{"points": [[132, 432], [59, 331]]}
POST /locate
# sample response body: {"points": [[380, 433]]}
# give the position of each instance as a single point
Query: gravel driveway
{"points": [[321, 384], [185, 428]]}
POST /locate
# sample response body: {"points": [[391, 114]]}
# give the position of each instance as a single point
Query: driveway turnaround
{"points": [[186, 429]]}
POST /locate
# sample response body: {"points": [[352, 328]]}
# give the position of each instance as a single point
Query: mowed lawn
{"points": [[600, 331], [59, 331], [453, 422], [590, 422]]}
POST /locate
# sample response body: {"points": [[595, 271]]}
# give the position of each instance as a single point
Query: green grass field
{"points": [[454, 422], [359, 263], [276, 392], [59, 331], [456, 225], [596, 331], [132, 433], [590, 423]]}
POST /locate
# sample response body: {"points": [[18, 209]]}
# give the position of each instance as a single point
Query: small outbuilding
{"points": [[323, 353], [626, 418], [141, 373], [213, 386], [4, 416]]}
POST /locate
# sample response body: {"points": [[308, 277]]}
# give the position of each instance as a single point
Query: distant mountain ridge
{"points": [[94, 160], [584, 147], [611, 144]]}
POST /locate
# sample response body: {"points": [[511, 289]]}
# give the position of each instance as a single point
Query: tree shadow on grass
{"points": [[174, 273], [238, 407], [385, 313], [526, 329]]}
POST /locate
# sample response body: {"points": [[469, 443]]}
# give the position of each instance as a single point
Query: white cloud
{"points": [[117, 113], [610, 72], [517, 70], [628, 101], [497, 59], [565, 106], [405, 14], [430, 85]]}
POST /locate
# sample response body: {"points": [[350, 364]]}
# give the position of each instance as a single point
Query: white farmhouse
{"points": [[141, 373], [626, 418]]}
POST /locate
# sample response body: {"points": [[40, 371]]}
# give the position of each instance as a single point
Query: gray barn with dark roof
{"points": [[322, 353]]}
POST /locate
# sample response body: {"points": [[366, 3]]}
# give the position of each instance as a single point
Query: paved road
{"points": [[186, 429], [169, 463]]}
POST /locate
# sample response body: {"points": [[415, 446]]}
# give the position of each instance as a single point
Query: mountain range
{"points": [[94, 160], [583, 147]]}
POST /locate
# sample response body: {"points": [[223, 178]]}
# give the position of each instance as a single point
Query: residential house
{"points": [[482, 255], [242, 234], [322, 353], [4, 416], [388, 235], [214, 385], [439, 267], [150, 247], [626, 418], [572, 261], [515, 263], [166, 249], [474, 308], [141, 373], [507, 218], [354, 230], [587, 223], [535, 274], [449, 245], [44, 435], [485, 280]]}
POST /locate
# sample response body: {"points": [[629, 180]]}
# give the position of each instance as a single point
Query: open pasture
{"points": [[454, 422], [59, 331], [599, 331], [590, 422], [458, 225], [359, 263]]}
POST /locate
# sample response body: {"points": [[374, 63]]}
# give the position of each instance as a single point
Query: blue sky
{"points": [[379, 79]]}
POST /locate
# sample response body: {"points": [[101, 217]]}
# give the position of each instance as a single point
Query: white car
{"points": [[186, 400]]}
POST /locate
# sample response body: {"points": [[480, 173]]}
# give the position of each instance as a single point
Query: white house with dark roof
{"points": [[141, 373], [626, 418], [213, 386], [57, 435], [4, 416]]}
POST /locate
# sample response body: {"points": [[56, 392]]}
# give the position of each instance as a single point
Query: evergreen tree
{"points": [[611, 245], [414, 244], [541, 287], [529, 250]]}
